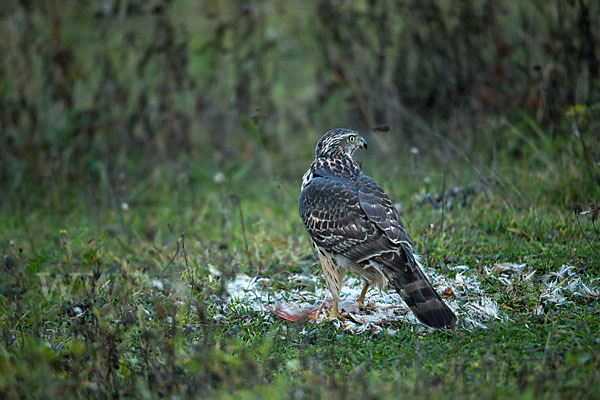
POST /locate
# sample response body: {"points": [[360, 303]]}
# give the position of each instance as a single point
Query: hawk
{"points": [[354, 227]]}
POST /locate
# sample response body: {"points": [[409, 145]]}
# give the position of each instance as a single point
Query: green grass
{"points": [[136, 340]]}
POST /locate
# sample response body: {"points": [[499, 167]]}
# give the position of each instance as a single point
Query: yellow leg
{"points": [[334, 313], [361, 299]]}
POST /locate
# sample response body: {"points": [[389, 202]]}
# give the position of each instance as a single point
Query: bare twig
{"points": [[172, 258], [187, 266], [248, 256], [596, 230], [443, 205], [113, 201], [181, 244], [585, 236], [595, 212]]}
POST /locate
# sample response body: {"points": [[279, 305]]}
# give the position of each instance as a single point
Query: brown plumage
{"points": [[354, 227]]}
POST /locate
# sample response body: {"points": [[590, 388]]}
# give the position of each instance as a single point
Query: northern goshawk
{"points": [[354, 227]]}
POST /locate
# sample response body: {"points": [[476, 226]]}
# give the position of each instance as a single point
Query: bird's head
{"points": [[339, 142]]}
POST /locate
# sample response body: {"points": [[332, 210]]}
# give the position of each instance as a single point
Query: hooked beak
{"points": [[362, 143]]}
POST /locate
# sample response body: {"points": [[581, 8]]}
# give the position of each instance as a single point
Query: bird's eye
{"points": [[351, 139]]}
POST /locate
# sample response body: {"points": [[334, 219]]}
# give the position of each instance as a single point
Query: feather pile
{"points": [[308, 299]]}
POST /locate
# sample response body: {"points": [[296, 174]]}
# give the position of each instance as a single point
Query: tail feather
{"points": [[416, 291]]}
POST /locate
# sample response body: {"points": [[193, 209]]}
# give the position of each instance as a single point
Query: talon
{"points": [[333, 314], [361, 304]]}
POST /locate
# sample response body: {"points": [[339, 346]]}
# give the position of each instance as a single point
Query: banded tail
{"points": [[416, 291]]}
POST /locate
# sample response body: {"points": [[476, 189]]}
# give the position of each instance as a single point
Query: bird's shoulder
{"points": [[336, 167]]}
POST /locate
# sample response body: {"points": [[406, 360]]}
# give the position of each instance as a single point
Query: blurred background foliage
{"points": [[95, 92], [124, 123]]}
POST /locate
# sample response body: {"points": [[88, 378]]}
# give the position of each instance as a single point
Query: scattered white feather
{"points": [[157, 284], [464, 293], [485, 307], [558, 285], [511, 268], [213, 271]]}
